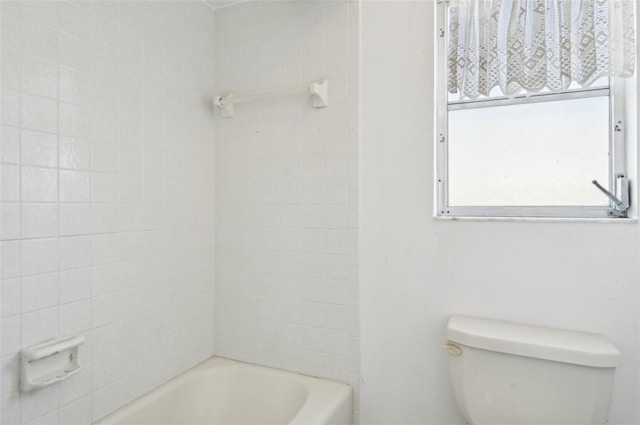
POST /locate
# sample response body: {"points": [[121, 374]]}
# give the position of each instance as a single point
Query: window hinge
{"points": [[441, 32], [618, 126], [619, 206]]}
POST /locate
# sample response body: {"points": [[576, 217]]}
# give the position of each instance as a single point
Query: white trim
{"points": [[528, 211], [441, 135], [539, 220], [617, 139]]}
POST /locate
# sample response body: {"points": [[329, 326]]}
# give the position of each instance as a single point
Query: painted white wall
{"points": [[106, 197], [416, 271]]}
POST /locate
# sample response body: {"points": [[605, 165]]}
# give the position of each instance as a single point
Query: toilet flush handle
{"points": [[452, 349]]}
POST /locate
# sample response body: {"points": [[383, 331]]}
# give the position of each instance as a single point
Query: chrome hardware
{"points": [[619, 206]]}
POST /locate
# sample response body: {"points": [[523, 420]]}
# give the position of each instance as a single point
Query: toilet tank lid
{"points": [[582, 348]]}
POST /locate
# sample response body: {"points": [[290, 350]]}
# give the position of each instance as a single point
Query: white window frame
{"points": [[617, 141]]}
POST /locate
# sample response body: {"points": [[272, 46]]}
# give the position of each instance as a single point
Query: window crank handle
{"points": [[608, 194], [620, 206]]}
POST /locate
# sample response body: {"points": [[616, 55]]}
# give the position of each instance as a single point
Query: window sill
{"points": [[633, 220]]}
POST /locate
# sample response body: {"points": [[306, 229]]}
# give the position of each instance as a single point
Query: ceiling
{"points": [[220, 3]]}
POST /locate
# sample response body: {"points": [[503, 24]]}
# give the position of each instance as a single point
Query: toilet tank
{"points": [[510, 374]]}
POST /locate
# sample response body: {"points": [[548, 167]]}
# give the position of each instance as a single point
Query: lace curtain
{"points": [[531, 45]]}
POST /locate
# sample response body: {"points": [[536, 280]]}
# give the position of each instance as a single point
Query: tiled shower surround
{"points": [[133, 214], [286, 189], [107, 197]]}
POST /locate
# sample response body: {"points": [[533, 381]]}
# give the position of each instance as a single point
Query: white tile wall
{"points": [[286, 189], [107, 197]]}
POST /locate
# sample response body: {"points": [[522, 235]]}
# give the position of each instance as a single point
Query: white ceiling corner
{"points": [[216, 4]]}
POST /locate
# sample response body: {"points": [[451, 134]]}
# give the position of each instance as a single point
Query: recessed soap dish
{"points": [[49, 362]]}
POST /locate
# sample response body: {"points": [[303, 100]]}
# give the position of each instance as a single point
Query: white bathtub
{"points": [[221, 391]]}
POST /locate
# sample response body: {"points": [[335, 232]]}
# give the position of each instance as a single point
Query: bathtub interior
{"points": [[233, 395]]}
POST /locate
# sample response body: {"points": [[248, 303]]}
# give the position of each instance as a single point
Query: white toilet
{"points": [[508, 374]]}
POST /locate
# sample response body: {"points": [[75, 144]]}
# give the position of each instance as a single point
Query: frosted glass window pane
{"points": [[535, 154]]}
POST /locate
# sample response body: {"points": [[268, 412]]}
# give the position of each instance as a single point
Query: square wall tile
{"points": [[10, 259], [39, 149], [10, 74], [40, 41], [74, 153], [39, 292], [73, 87], [39, 77], [75, 285], [10, 297], [39, 326], [104, 157], [10, 182], [11, 342], [75, 219], [75, 252], [73, 120], [105, 187], [75, 317], [9, 221], [39, 184], [39, 220], [39, 256], [39, 113], [9, 144], [10, 111], [10, 367], [75, 186], [77, 412]]}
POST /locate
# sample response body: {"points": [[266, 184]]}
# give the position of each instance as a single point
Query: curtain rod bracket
{"points": [[226, 109]]}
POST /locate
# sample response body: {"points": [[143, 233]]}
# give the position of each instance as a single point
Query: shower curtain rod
{"points": [[319, 90]]}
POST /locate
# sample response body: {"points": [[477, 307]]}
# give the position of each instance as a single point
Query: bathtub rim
{"points": [[324, 401]]}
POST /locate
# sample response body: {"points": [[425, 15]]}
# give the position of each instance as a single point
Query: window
{"points": [[531, 108]]}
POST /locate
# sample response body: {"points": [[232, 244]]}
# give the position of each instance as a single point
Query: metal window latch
{"points": [[619, 206]]}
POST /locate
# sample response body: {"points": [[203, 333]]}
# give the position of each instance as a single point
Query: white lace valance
{"points": [[531, 45]]}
